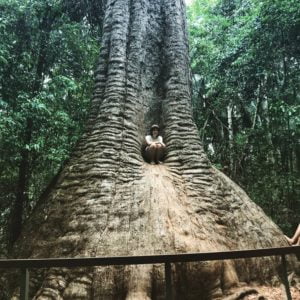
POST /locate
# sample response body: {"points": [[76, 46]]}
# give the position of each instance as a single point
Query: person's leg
{"points": [[296, 236], [290, 241], [151, 153], [160, 149]]}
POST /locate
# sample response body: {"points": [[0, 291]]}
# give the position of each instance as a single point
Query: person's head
{"points": [[154, 130]]}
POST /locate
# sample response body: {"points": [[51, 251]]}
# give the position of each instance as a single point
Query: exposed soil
{"points": [[273, 293]]}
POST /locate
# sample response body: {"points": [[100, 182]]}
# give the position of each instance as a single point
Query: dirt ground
{"points": [[273, 293]]}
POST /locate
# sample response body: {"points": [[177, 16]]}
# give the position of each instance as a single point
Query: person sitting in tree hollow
{"points": [[155, 146], [295, 240]]}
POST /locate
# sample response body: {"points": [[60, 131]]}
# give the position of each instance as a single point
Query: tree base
{"points": [[158, 213]]}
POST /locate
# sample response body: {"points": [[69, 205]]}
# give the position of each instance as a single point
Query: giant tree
{"points": [[108, 201]]}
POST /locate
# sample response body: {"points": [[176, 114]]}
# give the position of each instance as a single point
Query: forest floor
{"points": [[273, 293]]}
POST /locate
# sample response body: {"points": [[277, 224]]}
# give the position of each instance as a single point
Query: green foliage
{"points": [[46, 64], [245, 55]]}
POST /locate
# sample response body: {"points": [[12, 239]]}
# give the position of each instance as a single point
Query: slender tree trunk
{"points": [[266, 119], [230, 137], [22, 189], [108, 201]]}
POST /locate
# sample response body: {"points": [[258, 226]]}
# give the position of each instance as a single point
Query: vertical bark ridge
{"points": [[101, 71], [181, 133]]}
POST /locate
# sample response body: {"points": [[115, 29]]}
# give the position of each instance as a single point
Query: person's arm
{"points": [[160, 140], [148, 140]]}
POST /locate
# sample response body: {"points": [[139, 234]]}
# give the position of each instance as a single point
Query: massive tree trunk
{"points": [[109, 202]]}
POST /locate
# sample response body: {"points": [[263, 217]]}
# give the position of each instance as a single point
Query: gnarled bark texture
{"points": [[109, 202]]}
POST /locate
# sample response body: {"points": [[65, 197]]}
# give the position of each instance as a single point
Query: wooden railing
{"points": [[25, 264]]}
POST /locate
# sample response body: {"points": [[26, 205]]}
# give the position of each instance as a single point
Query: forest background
{"points": [[245, 71]]}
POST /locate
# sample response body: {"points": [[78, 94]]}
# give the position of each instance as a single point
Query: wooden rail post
{"points": [[24, 284], [168, 279], [285, 278]]}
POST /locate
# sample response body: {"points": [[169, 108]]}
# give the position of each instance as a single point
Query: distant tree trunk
{"points": [[230, 137], [24, 173], [108, 201], [266, 119], [22, 189]]}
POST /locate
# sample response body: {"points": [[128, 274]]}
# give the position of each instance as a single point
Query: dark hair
{"points": [[152, 128]]}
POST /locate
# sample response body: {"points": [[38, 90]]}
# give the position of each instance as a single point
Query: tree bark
{"points": [[109, 202]]}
